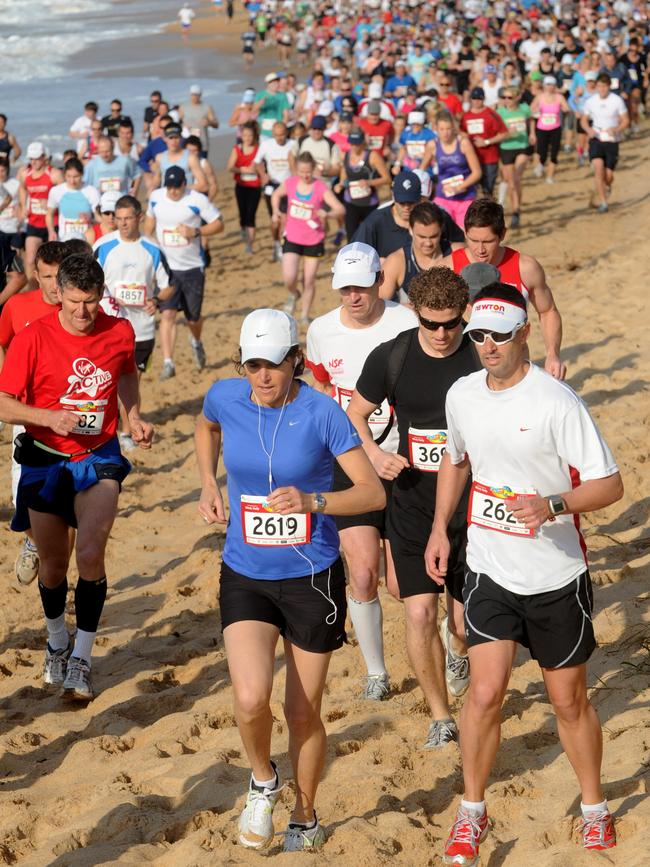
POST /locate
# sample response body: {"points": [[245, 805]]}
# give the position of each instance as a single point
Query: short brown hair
{"points": [[438, 289], [486, 214], [426, 213]]}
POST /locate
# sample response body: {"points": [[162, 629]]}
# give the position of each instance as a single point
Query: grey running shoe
{"points": [[289, 305], [515, 221], [441, 732], [77, 683], [27, 563], [297, 837], [277, 251], [602, 209], [456, 665], [126, 442], [168, 370], [249, 248], [56, 664], [377, 687], [256, 820], [198, 354]]}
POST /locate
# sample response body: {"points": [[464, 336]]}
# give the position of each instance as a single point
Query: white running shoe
{"points": [[77, 683], [27, 563], [289, 305], [256, 820], [168, 370], [456, 665], [56, 665], [441, 732], [538, 171], [298, 837], [377, 687]]}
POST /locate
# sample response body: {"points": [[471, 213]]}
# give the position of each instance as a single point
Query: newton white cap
{"points": [[356, 264], [494, 314], [267, 334]]}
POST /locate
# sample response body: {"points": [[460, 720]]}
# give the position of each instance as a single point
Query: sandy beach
{"points": [[153, 771]]}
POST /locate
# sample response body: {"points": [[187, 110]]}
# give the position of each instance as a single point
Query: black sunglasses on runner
{"points": [[449, 325]]}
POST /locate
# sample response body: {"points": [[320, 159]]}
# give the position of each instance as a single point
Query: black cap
{"points": [[477, 93], [173, 129], [175, 177], [356, 136], [407, 188]]}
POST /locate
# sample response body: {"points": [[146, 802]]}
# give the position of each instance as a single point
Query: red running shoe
{"points": [[598, 831], [461, 849]]}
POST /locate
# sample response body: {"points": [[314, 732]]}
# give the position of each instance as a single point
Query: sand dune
{"points": [[153, 770]]}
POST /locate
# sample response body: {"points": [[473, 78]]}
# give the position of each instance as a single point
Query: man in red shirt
{"points": [[17, 313], [379, 133], [449, 99], [61, 380], [486, 130]]}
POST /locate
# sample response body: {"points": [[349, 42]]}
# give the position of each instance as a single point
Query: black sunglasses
{"points": [[430, 325]]}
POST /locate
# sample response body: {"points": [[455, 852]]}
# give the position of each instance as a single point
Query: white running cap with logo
{"points": [[356, 264], [494, 314], [35, 150], [425, 182], [267, 334]]}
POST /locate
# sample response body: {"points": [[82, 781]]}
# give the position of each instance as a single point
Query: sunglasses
{"points": [[499, 338], [449, 325]]}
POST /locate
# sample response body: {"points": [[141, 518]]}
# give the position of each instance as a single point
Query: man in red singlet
{"points": [[36, 180], [485, 230]]}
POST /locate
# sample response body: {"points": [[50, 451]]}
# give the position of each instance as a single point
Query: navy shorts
{"points": [[188, 293]]}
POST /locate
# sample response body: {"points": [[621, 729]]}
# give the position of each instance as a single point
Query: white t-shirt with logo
{"points": [[531, 438], [181, 253], [341, 352], [8, 218], [605, 114], [276, 157]]}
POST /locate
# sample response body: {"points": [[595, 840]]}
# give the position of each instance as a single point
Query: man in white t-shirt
{"points": [[181, 218], [338, 344], [275, 161], [537, 461], [531, 49], [80, 128], [137, 278], [608, 118]]}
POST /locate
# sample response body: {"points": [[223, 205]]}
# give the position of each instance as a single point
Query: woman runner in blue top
{"points": [[281, 572]]}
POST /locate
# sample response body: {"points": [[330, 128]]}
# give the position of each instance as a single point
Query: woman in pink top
{"points": [[547, 107], [304, 231]]}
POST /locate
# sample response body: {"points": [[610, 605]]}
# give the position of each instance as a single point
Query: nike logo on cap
{"points": [[261, 335], [524, 428]]}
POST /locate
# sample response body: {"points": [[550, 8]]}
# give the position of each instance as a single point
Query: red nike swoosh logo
{"points": [[524, 428]]}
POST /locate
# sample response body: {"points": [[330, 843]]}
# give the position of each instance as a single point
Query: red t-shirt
{"points": [[19, 311], [57, 370], [378, 135], [453, 104], [484, 124]]}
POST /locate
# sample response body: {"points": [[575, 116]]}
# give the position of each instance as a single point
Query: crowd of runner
{"points": [[429, 449]]}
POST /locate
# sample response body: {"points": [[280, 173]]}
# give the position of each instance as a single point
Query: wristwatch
{"points": [[556, 506], [319, 502]]}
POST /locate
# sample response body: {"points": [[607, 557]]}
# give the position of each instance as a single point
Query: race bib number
{"points": [[173, 238], [379, 418], [131, 294], [615, 84], [359, 190], [476, 126], [299, 212], [633, 74], [74, 228], [426, 448], [547, 120], [38, 207], [262, 527], [267, 124], [450, 185], [487, 508], [516, 124], [279, 166], [375, 142], [415, 149], [248, 176], [9, 212], [90, 416], [110, 185], [605, 135]]}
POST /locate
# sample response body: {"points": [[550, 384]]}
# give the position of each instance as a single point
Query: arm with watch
{"points": [[365, 495], [589, 496]]}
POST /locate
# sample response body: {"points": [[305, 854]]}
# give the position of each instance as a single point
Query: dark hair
{"points": [[605, 78], [69, 154], [91, 106], [253, 126], [155, 93], [294, 352], [484, 214], [81, 271], [306, 157], [502, 292], [194, 140], [74, 163], [126, 122], [77, 247], [117, 102], [129, 202], [426, 213], [438, 289], [51, 253], [3, 116]]}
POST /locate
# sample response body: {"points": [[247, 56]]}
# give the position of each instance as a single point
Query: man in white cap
{"points": [[537, 461], [338, 344], [197, 117], [271, 104]]}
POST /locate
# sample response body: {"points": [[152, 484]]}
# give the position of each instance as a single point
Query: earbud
{"points": [[296, 363]]}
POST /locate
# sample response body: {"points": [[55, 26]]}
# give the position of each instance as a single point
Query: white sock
{"points": [[83, 645], [594, 808], [266, 784], [168, 361], [196, 341], [368, 622], [477, 807], [57, 634]]}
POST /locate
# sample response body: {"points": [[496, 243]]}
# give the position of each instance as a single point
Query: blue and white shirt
{"points": [[182, 253], [75, 207]]}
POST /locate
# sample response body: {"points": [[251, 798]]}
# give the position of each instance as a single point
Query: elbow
{"points": [[618, 489], [379, 497]]}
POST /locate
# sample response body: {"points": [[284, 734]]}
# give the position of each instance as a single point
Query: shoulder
{"points": [[466, 385], [105, 245], [400, 315], [324, 323]]}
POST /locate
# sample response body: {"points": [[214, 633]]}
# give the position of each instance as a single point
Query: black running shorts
{"points": [[368, 519], [143, 352], [408, 560], [302, 614], [188, 293], [311, 251], [556, 626], [607, 151]]}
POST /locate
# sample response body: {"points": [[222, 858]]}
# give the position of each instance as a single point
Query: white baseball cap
{"points": [[35, 150], [416, 117], [549, 79], [267, 334], [271, 76], [196, 88], [108, 201], [356, 264], [425, 181], [374, 90], [494, 314]]}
